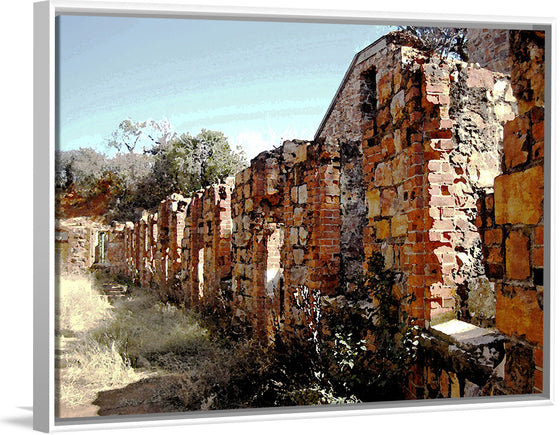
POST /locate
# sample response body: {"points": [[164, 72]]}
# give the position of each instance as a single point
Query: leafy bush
{"points": [[356, 347]]}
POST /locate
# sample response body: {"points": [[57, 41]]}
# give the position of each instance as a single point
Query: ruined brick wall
{"points": [[468, 107], [78, 242], [436, 164], [116, 253], [425, 138], [183, 251], [354, 110], [510, 220], [206, 242], [490, 49], [193, 248], [431, 147], [286, 232]]}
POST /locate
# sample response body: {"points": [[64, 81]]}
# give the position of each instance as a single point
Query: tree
{"points": [[81, 168], [190, 162], [444, 41], [131, 182], [131, 135]]}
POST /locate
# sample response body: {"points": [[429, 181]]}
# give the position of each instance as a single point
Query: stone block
{"points": [[455, 386], [519, 313], [399, 225], [518, 197], [299, 214], [293, 237], [298, 256], [389, 202], [303, 233], [384, 88], [384, 174], [382, 229], [397, 106], [373, 199], [302, 194], [399, 168], [518, 264], [480, 78], [515, 137]]}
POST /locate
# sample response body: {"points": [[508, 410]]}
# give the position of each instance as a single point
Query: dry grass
{"points": [[86, 366], [109, 346], [79, 308], [90, 367]]}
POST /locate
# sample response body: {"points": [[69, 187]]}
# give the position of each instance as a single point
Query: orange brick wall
{"points": [[512, 219]]}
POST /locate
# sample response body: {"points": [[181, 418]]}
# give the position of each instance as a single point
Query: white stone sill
{"points": [[463, 333]]}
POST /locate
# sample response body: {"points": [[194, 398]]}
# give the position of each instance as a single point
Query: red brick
{"points": [[493, 237], [518, 265], [539, 235], [538, 257]]}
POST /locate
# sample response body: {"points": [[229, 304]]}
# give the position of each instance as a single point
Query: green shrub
{"points": [[354, 347]]}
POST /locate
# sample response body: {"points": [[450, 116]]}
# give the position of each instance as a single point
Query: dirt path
{"points": [[79, 412], [148, 396]]}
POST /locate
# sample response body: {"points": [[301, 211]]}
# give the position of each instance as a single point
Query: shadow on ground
{"points": [[148, 396]]}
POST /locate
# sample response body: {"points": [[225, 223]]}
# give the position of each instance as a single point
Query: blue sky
{"points": [[258, 82]]}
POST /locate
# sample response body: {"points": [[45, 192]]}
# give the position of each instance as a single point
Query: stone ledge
{"points": [[465, 335], [473, 353]]}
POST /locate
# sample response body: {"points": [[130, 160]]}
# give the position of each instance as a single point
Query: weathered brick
{"points": [[493, 237], [518, 264], [515, 137], [519, 197], [399, 225]]}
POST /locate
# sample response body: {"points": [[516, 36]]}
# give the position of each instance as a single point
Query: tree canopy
{"points": [[190, 162], [133, 181], [132, 135]]}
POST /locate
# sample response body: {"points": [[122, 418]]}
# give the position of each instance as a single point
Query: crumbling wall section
{"points": [[435, 163], [286, 226], [116, 259], [192, 243], [212, 253], [490, 49], [462, 359], [512, 220], [256, 207], [77, 244]]}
